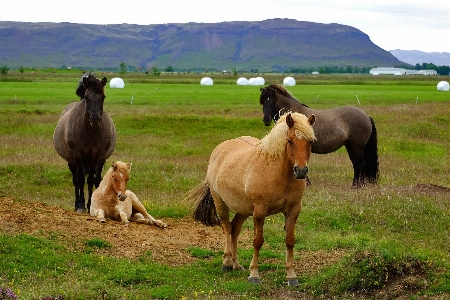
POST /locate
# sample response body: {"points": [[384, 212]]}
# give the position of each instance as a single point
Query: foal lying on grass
{"points": [[112, 199]]}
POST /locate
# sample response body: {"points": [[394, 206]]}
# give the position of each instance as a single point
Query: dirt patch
{"points": [[431, 188], [169, 246]]}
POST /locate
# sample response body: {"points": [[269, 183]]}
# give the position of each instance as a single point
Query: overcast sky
{"points": [[392, 24]]}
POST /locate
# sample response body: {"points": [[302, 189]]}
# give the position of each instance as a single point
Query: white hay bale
{"points": [[242, 81], [206, 81], [288, 81], [443, 86], [117, 83]]}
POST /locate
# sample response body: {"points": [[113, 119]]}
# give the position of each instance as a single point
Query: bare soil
{"points": [[168, 246]]}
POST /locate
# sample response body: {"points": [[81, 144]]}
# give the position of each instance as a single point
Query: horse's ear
{"points": [[261, 89], [289, 121], [85, 82], [104, 81], [312, 120], [114, 166], [129, 166]]}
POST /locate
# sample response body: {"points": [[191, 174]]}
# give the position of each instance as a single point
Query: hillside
{"points": [[270, 45], [414, 57]]}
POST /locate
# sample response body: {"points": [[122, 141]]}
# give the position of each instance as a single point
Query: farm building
{"points": [[427, 72], [387, 71]]}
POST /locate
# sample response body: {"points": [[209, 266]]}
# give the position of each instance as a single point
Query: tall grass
{"points": [[169, 130]]}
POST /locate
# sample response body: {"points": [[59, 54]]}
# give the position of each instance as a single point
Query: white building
{"points": [[427, 72], [387, 71]]}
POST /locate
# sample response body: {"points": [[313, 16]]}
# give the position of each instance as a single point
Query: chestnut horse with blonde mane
{"points": [[112, 199], [257, 178]]}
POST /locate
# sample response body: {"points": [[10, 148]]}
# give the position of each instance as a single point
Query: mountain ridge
{"points": [[414, 57], [269, 45]]}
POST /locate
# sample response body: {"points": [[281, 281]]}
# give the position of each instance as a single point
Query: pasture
{"points": [[387, 240]]}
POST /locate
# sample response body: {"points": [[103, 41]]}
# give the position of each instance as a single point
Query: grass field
{"points": [[168, 126]]}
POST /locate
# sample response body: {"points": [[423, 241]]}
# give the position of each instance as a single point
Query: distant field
{"points": [[168, 127]]}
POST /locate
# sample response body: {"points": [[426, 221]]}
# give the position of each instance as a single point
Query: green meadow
{"points": [[167, 127]]}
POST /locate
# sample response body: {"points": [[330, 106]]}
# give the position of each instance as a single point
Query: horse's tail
{"points": [[371, 172], [205, 211]]}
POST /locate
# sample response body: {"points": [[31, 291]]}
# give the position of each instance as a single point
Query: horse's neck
{"points": [[106, 186], [292, 104]]}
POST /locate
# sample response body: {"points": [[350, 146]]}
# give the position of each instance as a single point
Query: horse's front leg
{"points": [[122, 215], [290, 220], [94, 179], [78, 182], [258, 241]]}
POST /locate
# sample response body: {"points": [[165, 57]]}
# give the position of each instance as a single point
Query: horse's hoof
{"points": [[227, 268], [254, 280], [293, 282], [81, 210], [102, 220]]}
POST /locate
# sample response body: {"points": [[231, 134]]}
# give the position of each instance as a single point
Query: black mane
{"points": [[93, 83], [272, 90]]}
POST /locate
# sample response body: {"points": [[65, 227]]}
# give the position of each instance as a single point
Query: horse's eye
{"points": [[289, 141]]}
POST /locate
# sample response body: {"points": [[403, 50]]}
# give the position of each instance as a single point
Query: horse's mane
{"points": [[93, 84], [272, 145], [272, 90]]}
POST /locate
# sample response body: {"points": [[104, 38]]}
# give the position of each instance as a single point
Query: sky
{"points": [[392, 24]]}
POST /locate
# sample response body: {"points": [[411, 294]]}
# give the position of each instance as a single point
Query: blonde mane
{"points": [[272, 145]]}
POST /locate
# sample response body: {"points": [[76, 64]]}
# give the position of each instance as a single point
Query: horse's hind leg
{"points": [[258, 241], [223, 214], [139, 209], [236, 226], [357, 162]]}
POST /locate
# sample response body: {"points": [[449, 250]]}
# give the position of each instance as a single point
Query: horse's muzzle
{"points": [[300, 173], [94, 122], [122, 197], [267, 121]]}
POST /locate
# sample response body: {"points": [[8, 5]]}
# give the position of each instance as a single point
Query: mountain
{"points": [[414, 57], [270, 45]]}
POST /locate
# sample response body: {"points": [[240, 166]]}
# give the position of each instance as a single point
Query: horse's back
{"points": [[230, 158], [336, 126]]}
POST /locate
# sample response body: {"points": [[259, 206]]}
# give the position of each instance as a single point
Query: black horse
{"points": [[345, 126], [85, 137]]}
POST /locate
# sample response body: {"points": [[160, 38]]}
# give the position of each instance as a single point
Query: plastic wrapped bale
{"points": [[117, 83], [443, 86], [242, 81], [289, 81], [206, 81]]}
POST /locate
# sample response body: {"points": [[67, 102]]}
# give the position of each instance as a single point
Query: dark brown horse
{"points": [[85, 137], [345, 126]]}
